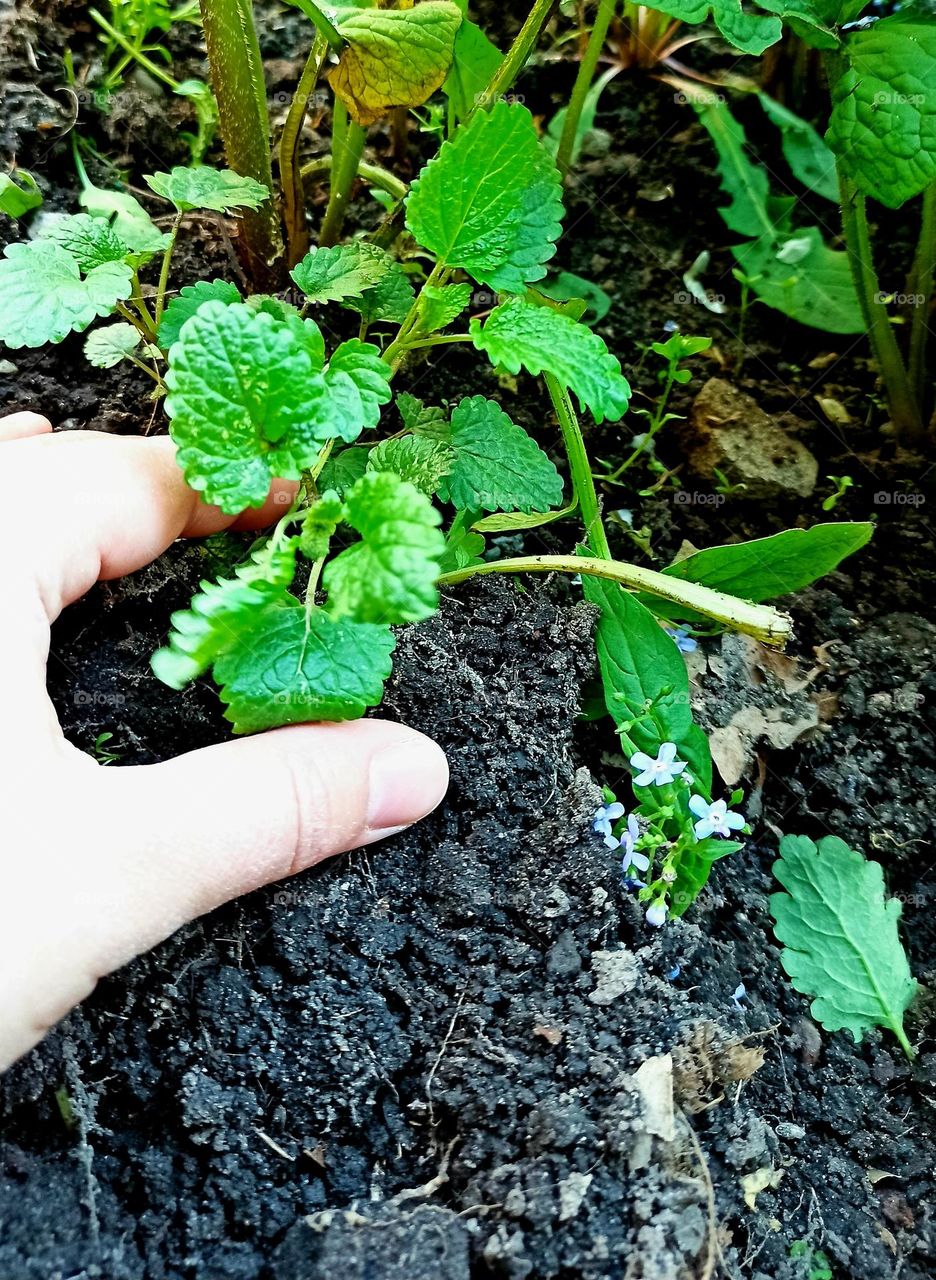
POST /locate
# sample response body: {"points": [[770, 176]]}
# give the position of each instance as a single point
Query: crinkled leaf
{"points": [[464, 547], [358, 383], [805, 279], [810, 160], [343, 469], [246, 403], [343, 271], [390, 299], [839, 935], [90, 241], [189, 298], [883, 123], [286, 667], [43, 297], [520, 335], [496, 465], [220, 610], [491, 200], [128, 219], [319, 523], [394, 57], [18, 195], [105, 348], [439, 306], [748, 32], [390, 575], [423, 419], [201, 187], [420, 461], [475, 60]]}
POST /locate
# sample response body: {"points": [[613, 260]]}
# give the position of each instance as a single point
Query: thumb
{"points": [[207, 826]]}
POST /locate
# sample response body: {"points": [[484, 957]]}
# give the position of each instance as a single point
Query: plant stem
{"points": [[765, 623], [347, 145], [329, 33], [399, 346], [164, 270], [138, 55], [372, 173], [516, 57], [924, 268], [904, 410], [583, 486], [237, 78], [290, 175], [583, 80]]}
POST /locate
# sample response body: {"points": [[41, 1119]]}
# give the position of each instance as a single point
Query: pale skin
{"points": [[98, 864]]}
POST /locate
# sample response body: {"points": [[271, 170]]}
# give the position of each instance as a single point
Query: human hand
{"points": [[97, 865]]}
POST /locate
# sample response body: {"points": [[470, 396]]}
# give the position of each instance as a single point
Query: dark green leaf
{"points": [[496, 466], [344, 271], [189, 299], [201, 187]]}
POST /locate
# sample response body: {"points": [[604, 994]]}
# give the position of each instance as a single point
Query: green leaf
{"points": [[519, 334], [496, 465], [748, 32], [287, 667], [389, 299], [463, 547], [201, 187], [766, 568], [514, 521], [319, 523], [344, 271], [586, 121], [358, 383], [439, 306], [90, 241], [246, 401], [107, 347], [43, 297], [810, 160], [641, 668], [18, 197], [394, 57], [343, 469], [490, 201], [475, 61], [839, 935], [805, 279], [190, 297], [423, 419], [416, 459], [220, 610], [883, 123], [390, 575], [568, 286], [127, 218], [746, 183]]}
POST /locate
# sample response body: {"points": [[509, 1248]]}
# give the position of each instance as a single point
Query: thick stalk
{"points": [[237, 79], [765, 623], [586, 73], [517, 55], [924, 268], [583, 486], [904, 410], [290, 175], [347, 146]]}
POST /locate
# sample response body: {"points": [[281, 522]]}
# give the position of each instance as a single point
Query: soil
{"points": [[446, 1057]]}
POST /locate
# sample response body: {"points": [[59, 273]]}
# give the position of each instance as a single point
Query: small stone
{"points": [[564, 960], [790, 1132], [615, 973]]}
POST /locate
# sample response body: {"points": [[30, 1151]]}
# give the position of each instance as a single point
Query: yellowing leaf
{"points": [[394, 58]]}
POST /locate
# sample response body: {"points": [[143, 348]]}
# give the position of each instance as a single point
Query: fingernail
{"points": [[407, 781]]}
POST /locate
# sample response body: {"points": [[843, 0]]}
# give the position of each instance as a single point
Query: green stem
{"points": [[399, 346], [237, 77], [516, 57], [924, 269], [904, 410], [583, 80], [656, 422], [134, 53], [372, 173], [290, 175], [583, 485], [329, 33], [765, 623], [347, 146], [164, 270], [139, 317]]}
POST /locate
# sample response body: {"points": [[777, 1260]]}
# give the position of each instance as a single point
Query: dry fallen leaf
{"points": [[760, 1180]]}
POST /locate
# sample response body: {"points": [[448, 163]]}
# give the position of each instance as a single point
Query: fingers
{"points": [[19, 426]]}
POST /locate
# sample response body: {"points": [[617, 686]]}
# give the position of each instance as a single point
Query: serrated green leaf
{"points": [[107, 347], [883, 122], [201, 187], [43, 297], [496, 466], [810, 160], [515, 521], [491, 200], [805, 279], [220, 610], [319, 523], [390, 575], [839, 935], [358, 383], [287, 666], [568, 287], [464, 546], [394, 57], [420, 461], [127, 218], [190, 297], [519, 334], [475, 60], [748, 32], [439, 306], [343, 271], [389, 299], [246, 403], [423, 419], [279, 309], [18, 197], [90, 241], [343, 469]]}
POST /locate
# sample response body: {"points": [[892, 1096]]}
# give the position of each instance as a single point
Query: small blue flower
{"points": [[656, 914], [664, 769], [738, 995], [606, 815], [629, 839], [633, 885], [714, 819], [670, 326], [673, 974], [683, 640]]}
